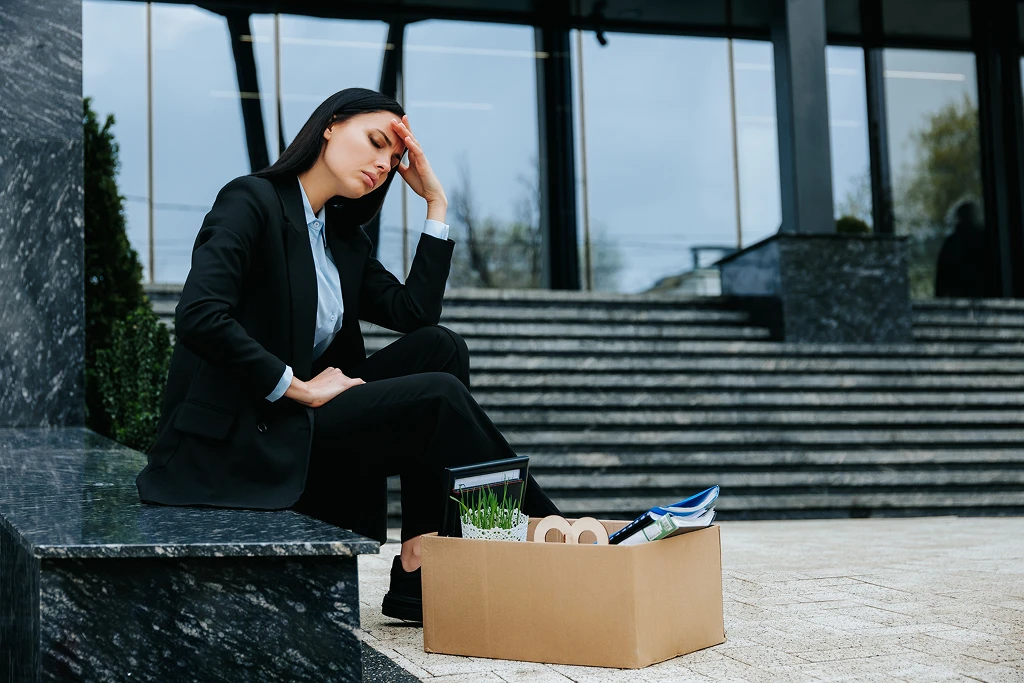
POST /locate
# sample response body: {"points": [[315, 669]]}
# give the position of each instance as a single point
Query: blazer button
{"points": [[262, 427]]}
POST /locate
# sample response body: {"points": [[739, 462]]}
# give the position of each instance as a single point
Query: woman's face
{"points": [[361, 152]]}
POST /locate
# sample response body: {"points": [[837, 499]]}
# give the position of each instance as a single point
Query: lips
{"points": [[369, 179]]}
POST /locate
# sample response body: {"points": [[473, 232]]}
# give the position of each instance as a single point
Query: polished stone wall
{"points": [[97, 586], [42, 335], [832, 288]]}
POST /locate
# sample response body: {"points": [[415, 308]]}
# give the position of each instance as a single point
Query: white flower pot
{"points": [[516, 533]]}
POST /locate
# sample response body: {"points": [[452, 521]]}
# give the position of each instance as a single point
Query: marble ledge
{"points": [[70, 494]]}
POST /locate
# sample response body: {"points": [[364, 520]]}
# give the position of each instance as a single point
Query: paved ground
{"points": [[930, 600]]}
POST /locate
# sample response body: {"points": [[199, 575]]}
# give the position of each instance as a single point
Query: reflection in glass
{"points": [[471, 96], [198, 138], [319, 57], [658, 153], [757, 140], [932, 110], [848, 133], [114, 76]]}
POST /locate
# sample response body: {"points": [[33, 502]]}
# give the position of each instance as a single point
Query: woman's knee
{"points": [[457, 346]]}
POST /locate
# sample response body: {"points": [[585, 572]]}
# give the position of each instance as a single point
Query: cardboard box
{"points": [[598, 605]]}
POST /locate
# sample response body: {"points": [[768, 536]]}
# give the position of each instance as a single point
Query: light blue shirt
{"points": [[330, 307]]}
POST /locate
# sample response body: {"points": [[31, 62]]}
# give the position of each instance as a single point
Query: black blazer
{"points": [[247, 308]]}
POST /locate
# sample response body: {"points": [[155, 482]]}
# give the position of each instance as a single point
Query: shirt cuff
{"points": [[282, 386], [435, 229]]}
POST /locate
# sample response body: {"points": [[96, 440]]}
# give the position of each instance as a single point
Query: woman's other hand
{"points": [[417, 173], [321, 388]]}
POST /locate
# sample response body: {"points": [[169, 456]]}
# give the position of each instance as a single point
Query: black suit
{"points": [[247, 308]]}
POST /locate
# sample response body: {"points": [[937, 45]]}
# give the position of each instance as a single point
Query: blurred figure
{"points": [[965, 266]]}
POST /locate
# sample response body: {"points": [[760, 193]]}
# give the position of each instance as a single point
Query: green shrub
{"points": [[131, 375], [851, 225], [113, 273]]}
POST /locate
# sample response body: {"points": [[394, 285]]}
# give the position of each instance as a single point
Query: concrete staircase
{"points": [[623, 402]]}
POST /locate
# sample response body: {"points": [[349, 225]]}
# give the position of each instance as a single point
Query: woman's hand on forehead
{"points": [[418, 174]]}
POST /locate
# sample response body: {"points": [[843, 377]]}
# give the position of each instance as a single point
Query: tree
{"points": [[113, 272], [946, 170]]}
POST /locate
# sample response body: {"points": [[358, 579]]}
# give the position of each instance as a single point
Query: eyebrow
{"points": [[388, 140]]}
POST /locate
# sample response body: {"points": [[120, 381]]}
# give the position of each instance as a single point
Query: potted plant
{"points": [[486, 515]]}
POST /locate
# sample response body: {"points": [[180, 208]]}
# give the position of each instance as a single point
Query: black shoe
{"points": [[405, 599]]}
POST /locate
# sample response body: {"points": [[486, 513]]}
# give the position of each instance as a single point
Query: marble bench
{"points": [[95, 585]]}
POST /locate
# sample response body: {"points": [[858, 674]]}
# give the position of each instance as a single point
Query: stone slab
{"points": [[916, 600], [833, 288]]}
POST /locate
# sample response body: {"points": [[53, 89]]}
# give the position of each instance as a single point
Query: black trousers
{"points": [[412, 418]]}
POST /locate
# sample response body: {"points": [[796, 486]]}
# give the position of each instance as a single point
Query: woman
{"points": [[271, 401]]}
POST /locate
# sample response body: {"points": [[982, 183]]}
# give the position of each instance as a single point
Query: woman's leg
{"points": [[429, 349], [412, 419]]}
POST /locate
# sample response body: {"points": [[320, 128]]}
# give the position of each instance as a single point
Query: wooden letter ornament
{"points": [[571, 532]]}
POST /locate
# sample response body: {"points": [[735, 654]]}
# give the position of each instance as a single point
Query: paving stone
{"points": [[922, 600]]}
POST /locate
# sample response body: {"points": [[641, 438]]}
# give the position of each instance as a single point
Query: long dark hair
{"points": [[305, 149]]}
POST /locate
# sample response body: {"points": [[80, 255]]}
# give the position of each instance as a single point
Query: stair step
{"points": [[618, 331], [899, 456], [970, 319], [774, 504], [502, 397], [512, 362], [792, 504], [461, 313], [617, 419], [735, 481], [704, 438], [780, 381], [722, 348], [672, 483], [995, 335], [960, 305]]}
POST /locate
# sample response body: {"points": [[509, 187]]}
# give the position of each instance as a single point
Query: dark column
{"points": [[252, 110], [995, 31], [557, 159], [798, 35], [42, 328], [390, 79], [878, 123]]}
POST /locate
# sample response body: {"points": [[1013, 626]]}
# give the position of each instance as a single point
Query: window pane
{"points": [[319, 57], [659, 156], [758, 140], [932, 107], [114, 76], [471, 95], [848, 133], [198, 139]]}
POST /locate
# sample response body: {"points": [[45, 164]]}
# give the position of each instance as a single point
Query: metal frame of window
{"points": [[998, 50], [995, 41]]}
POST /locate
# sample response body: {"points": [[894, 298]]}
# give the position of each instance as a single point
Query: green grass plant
{"points": [[482, 507]]}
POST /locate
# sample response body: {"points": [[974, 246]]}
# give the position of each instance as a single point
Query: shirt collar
{"points": [[310, 216]]}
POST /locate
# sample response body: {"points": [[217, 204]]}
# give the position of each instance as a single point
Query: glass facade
{"points": [[114, 76], [934, 149], [676, 139], [478, 126], [848, 133], [657, 173], [198, 136]]}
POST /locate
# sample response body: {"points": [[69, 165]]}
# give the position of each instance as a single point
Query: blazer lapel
{"points": [[301, 278]]}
